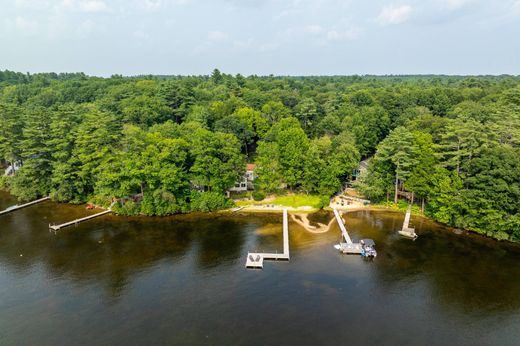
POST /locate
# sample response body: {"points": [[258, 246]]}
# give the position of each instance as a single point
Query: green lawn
{"points": [[299, 200]]}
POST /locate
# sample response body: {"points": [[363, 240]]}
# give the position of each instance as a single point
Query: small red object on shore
{"points": [[90, 206]]}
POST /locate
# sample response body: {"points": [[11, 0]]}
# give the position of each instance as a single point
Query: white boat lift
{"points": [[407, 231], [348, 247], [255, 260]]}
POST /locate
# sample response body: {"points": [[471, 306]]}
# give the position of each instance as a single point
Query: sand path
{"points": [[302, 220]]}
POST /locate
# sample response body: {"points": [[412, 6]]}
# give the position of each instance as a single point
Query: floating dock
{"points": [[255, 260], [407, 231], [348, 247], [77, 221], [17, 207]]}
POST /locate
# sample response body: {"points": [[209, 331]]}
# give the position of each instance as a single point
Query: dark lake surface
{"points": [[181, 280]]}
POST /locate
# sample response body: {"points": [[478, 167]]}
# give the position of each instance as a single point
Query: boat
{"points": [[368, 248]]}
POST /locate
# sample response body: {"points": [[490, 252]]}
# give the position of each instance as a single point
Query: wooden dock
{"points": [[255, 260], [17, 207], [348, 247], [407, 231], [77, 221]]}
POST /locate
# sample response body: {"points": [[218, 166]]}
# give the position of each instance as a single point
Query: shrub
{"points": [[209, 201], [323, 202], [258, 196], [4, 183], [129, 208]]}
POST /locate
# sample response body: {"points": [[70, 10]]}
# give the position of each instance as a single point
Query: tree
{"points": [[11, 127], [398, 149], [460, 142], [217, 161], [268, 167], [420, 180], [307, 113], [369, 125], [33, 179], [274, 111]]}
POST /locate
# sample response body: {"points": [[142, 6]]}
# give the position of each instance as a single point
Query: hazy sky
{"points": [[282, 37]]}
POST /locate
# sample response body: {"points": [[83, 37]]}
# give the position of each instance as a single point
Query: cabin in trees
{"points": [[360, 170], [11, 169], [246, 183]]}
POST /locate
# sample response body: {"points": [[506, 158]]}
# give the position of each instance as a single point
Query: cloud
{"points": [[24, 24], [331, 34], [93, 6], [314, 29], [217, 36], [453, 4], [87, 6], [394, 14], [347, 35], [515, 8], [86, 28], [35, 5], [151, 5]]}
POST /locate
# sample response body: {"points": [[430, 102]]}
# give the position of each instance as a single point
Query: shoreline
{"points": [[376, 208], [264, 209]]}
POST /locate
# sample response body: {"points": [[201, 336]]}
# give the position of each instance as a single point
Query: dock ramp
{"points": [[255, 260]]}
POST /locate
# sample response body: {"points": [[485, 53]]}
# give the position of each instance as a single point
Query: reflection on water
{"points": [[182, 280]]}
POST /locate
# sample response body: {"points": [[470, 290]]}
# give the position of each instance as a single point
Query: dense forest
{"points": [[181, 142]]}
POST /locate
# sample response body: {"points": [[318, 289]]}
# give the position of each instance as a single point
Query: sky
{"points": [[280, 37]]}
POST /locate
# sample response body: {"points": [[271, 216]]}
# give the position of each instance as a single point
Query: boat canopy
{"points": [[368, 242]]}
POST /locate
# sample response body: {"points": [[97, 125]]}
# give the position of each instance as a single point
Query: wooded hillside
{"points": [[181, 142]]}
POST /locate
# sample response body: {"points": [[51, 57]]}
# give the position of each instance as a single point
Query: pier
{"points": [[407, 231], [256, 260], [17, 207], [348, 247], [77, 221]]}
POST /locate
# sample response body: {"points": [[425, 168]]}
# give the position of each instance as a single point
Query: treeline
{"points": [[175, 144]]}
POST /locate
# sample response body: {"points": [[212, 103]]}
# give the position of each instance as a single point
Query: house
{"points": [[360, 170], [246, 183], [11, 170]]}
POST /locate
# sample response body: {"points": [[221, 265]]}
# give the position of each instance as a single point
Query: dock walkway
{"points": [[77, 221], [17, 207], [348, 247], [256, 260], [407, 231]]}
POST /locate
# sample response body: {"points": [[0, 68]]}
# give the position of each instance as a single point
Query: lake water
{"points": [[181, 280]]}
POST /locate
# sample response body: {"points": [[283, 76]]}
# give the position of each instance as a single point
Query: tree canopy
{"points": [[166, 145]]}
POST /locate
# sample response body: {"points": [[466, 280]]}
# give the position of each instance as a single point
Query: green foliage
{"points": [[258, 195], [169, 145], [323, 203], [209, 201]]}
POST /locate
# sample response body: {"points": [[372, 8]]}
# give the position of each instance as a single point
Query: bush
{"points": [[209, 201], [159, 203], [4, 183], [323, 202], [129, 208], [258, 196]]}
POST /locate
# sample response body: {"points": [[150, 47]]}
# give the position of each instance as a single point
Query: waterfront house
{"points": [[247, 180]]}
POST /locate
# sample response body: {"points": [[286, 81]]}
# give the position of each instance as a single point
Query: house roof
{"points": [[250, 167]]}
